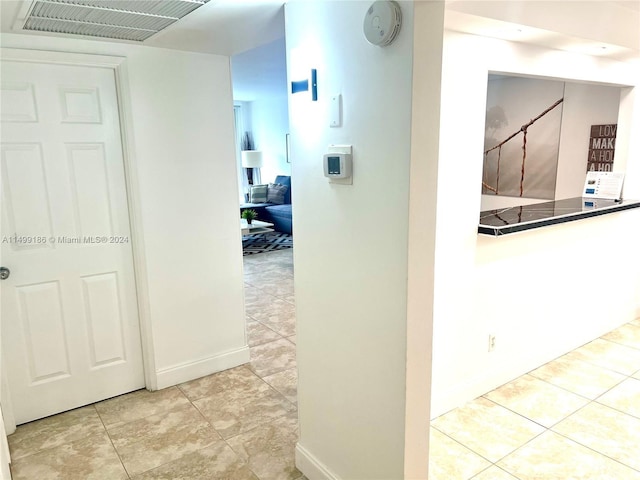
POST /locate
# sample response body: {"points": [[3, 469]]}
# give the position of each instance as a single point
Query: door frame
{"points": [[119, 66]]}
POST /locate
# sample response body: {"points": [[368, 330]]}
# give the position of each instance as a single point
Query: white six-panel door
{"points": [[70, 330]]}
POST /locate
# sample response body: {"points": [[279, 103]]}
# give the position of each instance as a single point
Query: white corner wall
{"points": [[425, 148], [260, 86], [5, 454], [270, 125], [584, 105], [351, 242], [189, 211], [182, 162], [535, 290], [628, 150]]}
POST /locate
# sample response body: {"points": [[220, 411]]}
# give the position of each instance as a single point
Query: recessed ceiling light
{"points": [[119, 19]]}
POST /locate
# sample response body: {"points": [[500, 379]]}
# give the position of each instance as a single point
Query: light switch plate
{"points": [[335, 111]]}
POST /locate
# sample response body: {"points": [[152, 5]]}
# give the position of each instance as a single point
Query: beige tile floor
{"points": [[577, 417], [235, 425]]}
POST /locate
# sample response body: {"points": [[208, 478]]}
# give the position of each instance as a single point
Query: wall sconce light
{"points": [[303, 85]]}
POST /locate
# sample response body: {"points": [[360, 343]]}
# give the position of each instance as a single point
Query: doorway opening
{"points": [[260, 94]]}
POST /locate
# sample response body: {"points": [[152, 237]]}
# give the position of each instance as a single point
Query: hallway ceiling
{"points": [[598, 28], [224, 27], [118, 19], [227, 27]]}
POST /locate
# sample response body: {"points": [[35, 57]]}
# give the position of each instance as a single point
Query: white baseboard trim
{"points": [[170, 376], [5, 455], [312, 468]]}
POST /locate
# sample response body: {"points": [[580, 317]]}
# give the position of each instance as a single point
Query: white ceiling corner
{"points": [[134, 20], [600, 28], [223, 27]]}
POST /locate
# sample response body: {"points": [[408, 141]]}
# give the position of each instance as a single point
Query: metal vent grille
{"points": [[119, 19]]}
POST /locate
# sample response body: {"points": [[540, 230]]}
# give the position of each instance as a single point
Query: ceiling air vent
{"points": [[120, 19]]}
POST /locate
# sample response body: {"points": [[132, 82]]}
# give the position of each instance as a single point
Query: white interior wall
{"points": [[584, 105], [270, 124], [260, 86], [528, 289], [628, 150], [351, 242], [5, 455], [247, 119], [182, 125], [425, 146], [190, 214]]}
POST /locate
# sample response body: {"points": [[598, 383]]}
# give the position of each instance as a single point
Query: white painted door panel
{"points": [[70, 331], [5, 456]]}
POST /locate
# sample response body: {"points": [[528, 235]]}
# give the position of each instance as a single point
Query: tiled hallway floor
{"points": [[577, 417], [235, 425]]}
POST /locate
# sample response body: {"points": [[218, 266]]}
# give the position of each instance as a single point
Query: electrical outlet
{"points": [[492, 342]]}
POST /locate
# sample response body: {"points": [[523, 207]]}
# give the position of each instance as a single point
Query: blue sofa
{"points": [[280, 215]]}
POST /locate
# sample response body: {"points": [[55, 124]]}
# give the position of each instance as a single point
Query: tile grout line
{"points": [[207, 422], [150, 415], [520, 446], [624, 344], [14, 458], [226, 440], [274, 389], [594, 450], [220, 437], [531, 440], [595, 400], [163, 413], [111, 441], [627, 324], [268, 341], [462, 445], [263, 378], [590, 362], [550, 429], [566, 389], [257, 426], [496, 466], [589, 401], [592, 401], [276, 332]]}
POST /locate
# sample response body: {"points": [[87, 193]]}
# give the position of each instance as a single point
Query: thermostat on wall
{"points": [[337, 165]]}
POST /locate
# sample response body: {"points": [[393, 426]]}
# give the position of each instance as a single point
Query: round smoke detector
{"points": [[382, 22]]}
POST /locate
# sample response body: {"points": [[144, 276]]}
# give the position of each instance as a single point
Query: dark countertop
{"points": [[527, 217]]}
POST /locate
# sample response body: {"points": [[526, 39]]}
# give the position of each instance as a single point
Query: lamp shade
{"points": [[251, 158]]}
